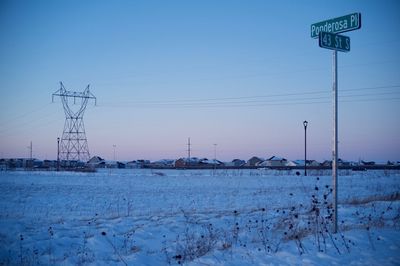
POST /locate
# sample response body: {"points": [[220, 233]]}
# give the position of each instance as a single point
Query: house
{"points": [[292, 163], [393, 163], [206, 161], [97, 162], [132, 165], [313, 163], [20, 162], [72, 163], [3, 164], [185, 162], [38, 163], [111, 164], [95, 159], [370, 163], [143, 163], [121, 165], [274, 161], [253, 161], [180, 163], [236, 163], [327, 163], [309, 163], [344, 162], [50, 163], [196, 162], [340, 162], [163, 163]]}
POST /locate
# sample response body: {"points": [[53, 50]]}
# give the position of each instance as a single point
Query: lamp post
{"points": [[58, 154], [305, 123]]}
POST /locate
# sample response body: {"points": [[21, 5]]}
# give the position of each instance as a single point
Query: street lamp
{"points": [[305, 123]]}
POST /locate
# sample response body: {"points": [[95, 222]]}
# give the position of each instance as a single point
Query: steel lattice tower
{"points": [[73, 145]]}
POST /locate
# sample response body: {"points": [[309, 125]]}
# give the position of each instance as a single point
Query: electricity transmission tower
{"points": [[73, 141]]}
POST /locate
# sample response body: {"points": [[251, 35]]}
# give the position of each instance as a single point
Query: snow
{"points": [[198, 217]]}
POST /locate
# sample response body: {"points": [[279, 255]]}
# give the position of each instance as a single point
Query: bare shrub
{"points": [[85, 254], [116, 250], [359, 201], [196, 241], [195, 244]]}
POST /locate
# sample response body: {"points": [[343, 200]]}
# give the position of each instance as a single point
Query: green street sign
{"points": [[334, 41], [337, 25]]}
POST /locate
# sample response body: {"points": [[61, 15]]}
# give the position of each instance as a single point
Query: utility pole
{"points": [[215, 157], [188, 151]]}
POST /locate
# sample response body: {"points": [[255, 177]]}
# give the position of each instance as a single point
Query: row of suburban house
{"points": [[253, 162], [15, 163]]}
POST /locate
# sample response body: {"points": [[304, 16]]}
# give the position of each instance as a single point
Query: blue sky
{"points": [[241, 74]]}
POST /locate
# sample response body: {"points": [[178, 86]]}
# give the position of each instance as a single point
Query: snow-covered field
{"points": [[198, 217]]}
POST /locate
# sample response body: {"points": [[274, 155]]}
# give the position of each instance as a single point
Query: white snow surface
{"points": [[198, 217]]}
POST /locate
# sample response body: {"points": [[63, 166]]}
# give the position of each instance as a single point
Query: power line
{"points": [[258, 100], [26, 114], [287, 103], [261, 61], [258, 96], [45, 121], [21, 124], [282, 99]]}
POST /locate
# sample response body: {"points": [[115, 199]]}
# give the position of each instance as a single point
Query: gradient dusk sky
{"points": [[240, 74]]}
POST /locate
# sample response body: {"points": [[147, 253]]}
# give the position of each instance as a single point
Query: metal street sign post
{"points": [[337, 25], [326, 30], [334, 41], [335, 141]]}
